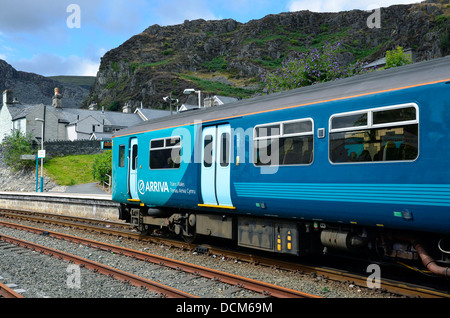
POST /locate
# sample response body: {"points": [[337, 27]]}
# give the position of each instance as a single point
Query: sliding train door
{"points": [[215, 171], [132, 169]]}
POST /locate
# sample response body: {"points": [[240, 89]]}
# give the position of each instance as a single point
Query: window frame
{"points": [[165, 147], [370, 125], [283, 135]]}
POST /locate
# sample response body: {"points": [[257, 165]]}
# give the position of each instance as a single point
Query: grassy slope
{"points": [[71, 170], [85, 81]]}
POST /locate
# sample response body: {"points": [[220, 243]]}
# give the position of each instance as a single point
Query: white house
{"points": [[59, 123], [66, 123]]}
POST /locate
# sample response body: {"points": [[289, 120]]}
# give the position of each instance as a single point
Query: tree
{"points": [[16, 145], [397, 58], [310, 68]]}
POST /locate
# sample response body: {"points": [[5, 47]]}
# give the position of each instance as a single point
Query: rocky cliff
{"points": [[30, 88], [227, 58]]}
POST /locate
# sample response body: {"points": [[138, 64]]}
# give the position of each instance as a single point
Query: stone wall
{"points": [[77, 147]]}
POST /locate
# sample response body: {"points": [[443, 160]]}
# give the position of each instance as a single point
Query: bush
{"points": [[309, 69], [102, 167], [397, 58], [16, 145]]}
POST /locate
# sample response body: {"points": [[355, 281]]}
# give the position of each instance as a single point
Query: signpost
{"points": [[28, 157], [41, 155]]}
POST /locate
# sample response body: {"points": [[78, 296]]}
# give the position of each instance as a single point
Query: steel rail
{"points": [[6, 292], [399, 288], [239, 281], [24, 214], [165, 291]]}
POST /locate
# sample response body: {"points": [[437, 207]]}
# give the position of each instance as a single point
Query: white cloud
{"points": [[343, 5], [52, 65]]}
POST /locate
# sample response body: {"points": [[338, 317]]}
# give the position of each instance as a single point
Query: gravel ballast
{"points": [[53, 274]]}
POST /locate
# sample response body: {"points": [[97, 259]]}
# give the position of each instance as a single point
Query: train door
{"points": [[132, 169], [215, 174]]}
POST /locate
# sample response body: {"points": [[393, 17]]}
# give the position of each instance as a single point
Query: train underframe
{"points": [[297, 237]]}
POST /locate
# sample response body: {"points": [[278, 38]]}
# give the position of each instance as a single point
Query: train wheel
{"points": [[144, 230], [190, 238], [190, 234]]}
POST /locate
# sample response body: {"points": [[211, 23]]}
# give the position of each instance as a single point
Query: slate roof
{"points": [[150, 114], [107, 118], [18, 110], [71, 116]]}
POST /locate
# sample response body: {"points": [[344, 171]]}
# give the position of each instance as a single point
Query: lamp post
{"points": [[42, 158], [169, 99], [189, 91]]}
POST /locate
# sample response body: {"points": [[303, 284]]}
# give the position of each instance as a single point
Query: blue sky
{"points": [[35, 35]]}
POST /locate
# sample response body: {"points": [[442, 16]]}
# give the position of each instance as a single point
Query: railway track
{"points": [[264, 289], [114, 228], [7, 292], [134, 280]]}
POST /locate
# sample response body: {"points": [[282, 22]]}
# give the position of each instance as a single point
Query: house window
{"points": [[165, 153]]}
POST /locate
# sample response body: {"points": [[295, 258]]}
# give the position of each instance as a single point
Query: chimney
{"points": [[7, 97], [411, 53], [126, 109], [57, 99]]}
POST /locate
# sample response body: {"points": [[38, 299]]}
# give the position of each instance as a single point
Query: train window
{"points": [[267, 131], [134, 154], [394, 115], [297, 127], [349, 121], [165, 153], [392, 134], [208, 149], [285, 143], [225, 150], [157, 144], [122, 156]]}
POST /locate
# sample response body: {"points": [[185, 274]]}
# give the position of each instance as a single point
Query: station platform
{"points": [[90, 205]]}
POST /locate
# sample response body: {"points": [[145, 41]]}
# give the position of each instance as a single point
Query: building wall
{"points": [[71, 132], [52, 126], [87, 126], [21, 125], [5, 123]]}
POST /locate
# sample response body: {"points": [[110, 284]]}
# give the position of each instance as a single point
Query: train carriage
{"points": [[356, 164]]}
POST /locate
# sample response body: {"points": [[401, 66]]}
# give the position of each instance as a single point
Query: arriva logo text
{"points": [[152, 186]]}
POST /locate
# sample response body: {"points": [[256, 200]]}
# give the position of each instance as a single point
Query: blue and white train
{"points": [[359, 164]]}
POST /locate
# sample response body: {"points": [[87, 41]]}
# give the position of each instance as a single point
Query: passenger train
{"points": [[358, 165]]}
